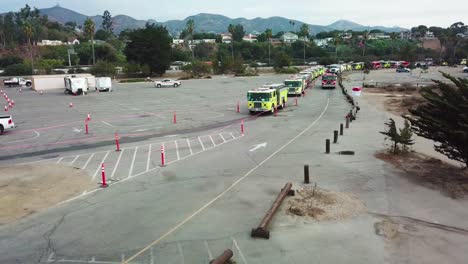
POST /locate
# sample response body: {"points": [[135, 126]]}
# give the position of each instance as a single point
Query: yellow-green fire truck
{"points": [[267, 98]]}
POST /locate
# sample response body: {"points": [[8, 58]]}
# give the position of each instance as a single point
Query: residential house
{"points": [[289, 37], [429, 35], [226, 38], [73, 41], [250, 38], [46, 42], [373, 36], [322, 42], [177, 42], [406, 35], [275, 41]]}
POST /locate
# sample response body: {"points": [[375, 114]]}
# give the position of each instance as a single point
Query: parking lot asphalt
{"points": [[216, 188]]}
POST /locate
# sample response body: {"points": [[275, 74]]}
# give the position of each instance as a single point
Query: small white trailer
{"points": [[76, 85], [104, 84]]}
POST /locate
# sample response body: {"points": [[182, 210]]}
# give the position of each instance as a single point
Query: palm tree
{"points": [[365, 37], [190, 28], [393, 36], [89, 28], [336, 40], [28, 31], [269, 34], [231, 29]]}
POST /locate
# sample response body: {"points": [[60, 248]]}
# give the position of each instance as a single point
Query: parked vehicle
{"points": [[376, 65], [465, 70], [295, 86], [329, 81], [6, 122], [76, 85], [17, 82], [167, 83], [403, 69], [267, 98], [104, 84]]}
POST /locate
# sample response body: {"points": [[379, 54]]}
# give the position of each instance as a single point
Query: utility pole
{"points": [[269, 52], [304, 50]]}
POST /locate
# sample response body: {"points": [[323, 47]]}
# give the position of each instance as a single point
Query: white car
{"points": [[6, 122], [465, 70], [167, 83]]}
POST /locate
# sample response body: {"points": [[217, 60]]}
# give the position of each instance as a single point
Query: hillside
{"points": [[206, 22]]}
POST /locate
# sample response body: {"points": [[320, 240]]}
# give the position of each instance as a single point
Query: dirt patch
{"points": [[26, 189], [399, 105], [430, 172], [318, 204], [386, 228]]}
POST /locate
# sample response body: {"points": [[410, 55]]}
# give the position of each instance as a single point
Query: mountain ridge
{"points": [[205, 22]]}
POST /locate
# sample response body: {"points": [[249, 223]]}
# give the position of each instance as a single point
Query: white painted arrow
{"points": [[262, 145], [76, 130]]}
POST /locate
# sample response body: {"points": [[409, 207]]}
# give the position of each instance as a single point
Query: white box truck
{"points": [[104, 84], [76, 85]]}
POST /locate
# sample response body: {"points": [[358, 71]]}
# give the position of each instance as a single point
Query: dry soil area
{"points": [[430, 172], [26, 189], [313, 204]]}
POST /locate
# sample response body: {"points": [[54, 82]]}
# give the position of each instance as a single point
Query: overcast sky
{"points": [[405, 13]]}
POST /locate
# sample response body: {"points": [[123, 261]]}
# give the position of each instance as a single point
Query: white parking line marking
{"points": [[232, 135], [117, 164], [228, 189], [221, 135], [107, 124], [87, 162], [23, 140], [201, 143], [190, 147], [133, 162], [151, 256], [73, 161], [182, 258], [177, 149], [210, 256], [99, 166], [240, 251], [59, 160], [212, 141], [149, 158], [50, 257]]}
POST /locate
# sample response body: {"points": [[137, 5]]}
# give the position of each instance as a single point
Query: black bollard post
{"points": [[306, 174], [347, 121], [327, 146], [341, 129], [335, 136]]}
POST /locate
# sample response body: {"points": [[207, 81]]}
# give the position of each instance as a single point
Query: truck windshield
{"points": [[258, 96], [329, 78], [293, 83]]}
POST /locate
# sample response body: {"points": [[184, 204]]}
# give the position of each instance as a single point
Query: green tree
{"points": [[150, 46], [406, 136], [443, 117], [49, 64], [103, 68], [197, 69], [28, 31], [231, 29], [89, 28], [238, 33], [10, 60], [102, 34], [393, 37], [107, 22], [392, 134], [282, 60], [190, 28], [304, 31], [18, 69]]}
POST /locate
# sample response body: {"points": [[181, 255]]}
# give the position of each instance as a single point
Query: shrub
{"points": [[103, 68], [18, 69]]}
